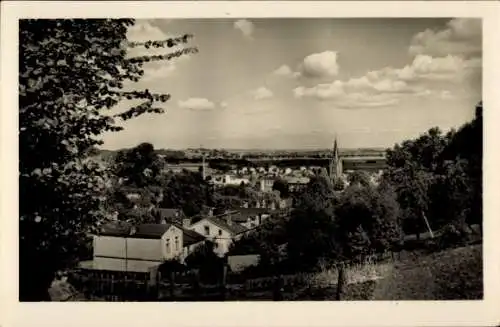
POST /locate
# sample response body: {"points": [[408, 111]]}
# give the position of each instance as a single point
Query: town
{"points": [[151, 171]]}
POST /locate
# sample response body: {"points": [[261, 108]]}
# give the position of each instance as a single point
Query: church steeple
{"points": [[335, 162]]}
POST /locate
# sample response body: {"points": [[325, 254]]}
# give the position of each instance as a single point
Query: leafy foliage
{"points": [[71, 72], [140, 166], [368, 220], [359, 177], [281, 186], [312, 228], [439, 177], [187, 191]]}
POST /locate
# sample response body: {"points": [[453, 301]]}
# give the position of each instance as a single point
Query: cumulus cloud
{"points": [[223, 104], [424, 67], [245, 26], [386, 86], [340, 96], [262, 93], [461, 37], [196, 104], [284, 70], [371, 82], [321, 91], [322, 64], [143, 31]]}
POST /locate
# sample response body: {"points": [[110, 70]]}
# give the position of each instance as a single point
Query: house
{"points": [[191, 239], [250, 217], [266, 184], [219, 229], [150, 242], [125, 248], [142, 248], [296, 184], [232, 180]]}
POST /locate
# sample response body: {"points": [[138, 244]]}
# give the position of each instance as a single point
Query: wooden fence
{"points": [[117, 286]]}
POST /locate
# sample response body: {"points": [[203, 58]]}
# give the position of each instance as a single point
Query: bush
{"points": [[453, 235]]}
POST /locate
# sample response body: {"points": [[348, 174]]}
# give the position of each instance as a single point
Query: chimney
{"points": [[186, 222]]}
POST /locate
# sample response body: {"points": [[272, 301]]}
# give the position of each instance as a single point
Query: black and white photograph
{"points": [[197, 163], [250, 159]]}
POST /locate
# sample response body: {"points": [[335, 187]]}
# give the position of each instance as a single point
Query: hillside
{"points": [[455, 274]]}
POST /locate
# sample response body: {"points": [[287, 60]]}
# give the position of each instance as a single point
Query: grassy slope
{"points": [[455, 274]]}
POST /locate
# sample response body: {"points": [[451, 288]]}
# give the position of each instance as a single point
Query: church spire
{"points": [[335, 163]]}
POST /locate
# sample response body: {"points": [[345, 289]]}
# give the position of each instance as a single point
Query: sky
{"points": [[299, 83]]}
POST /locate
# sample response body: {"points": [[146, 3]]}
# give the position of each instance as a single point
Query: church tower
{"points": [[335, 162]]}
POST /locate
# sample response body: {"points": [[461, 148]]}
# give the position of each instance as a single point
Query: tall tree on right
{"points": [[438, 178]]}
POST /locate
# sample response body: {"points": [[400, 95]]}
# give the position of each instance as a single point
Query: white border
{"points": [[409, 313]]}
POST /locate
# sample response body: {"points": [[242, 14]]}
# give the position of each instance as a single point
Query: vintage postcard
{"points": [[250, 161]]}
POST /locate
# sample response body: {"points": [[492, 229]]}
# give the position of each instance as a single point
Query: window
{"points": [[220, 232], [177, 243], [207, 230], [167, 244]]}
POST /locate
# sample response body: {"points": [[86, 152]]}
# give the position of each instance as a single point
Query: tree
{"points": [[187, 191], [412, 186], [368, 220], [312, 227], [438, 178], [71, 71], [466, 146], [359, 177], [140, 166], [413, 168], [281, 186], [338, 184]]}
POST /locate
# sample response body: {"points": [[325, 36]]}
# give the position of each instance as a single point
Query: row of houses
{"points": [[125, 247]]}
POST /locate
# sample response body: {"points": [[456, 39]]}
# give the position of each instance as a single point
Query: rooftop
{"points": [[120, 229], [220, 221], [191, 237]]}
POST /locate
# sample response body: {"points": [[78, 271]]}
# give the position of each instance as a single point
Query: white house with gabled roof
{"points": [[219, 229]]}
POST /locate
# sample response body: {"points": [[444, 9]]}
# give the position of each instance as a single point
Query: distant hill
{"points": [[179, 154]]}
